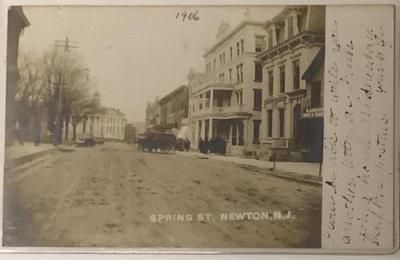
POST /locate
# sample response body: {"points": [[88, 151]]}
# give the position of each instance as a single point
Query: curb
{"points": [[311, 179], [17, 162]]}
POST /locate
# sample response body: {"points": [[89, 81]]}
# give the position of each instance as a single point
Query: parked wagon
{"points": [[157, 142]]}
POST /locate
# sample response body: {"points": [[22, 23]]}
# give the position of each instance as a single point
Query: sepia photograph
{"points": [[171, 127]]}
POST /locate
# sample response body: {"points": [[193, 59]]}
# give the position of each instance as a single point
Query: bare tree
{"points": [[29, 92], [66, 73]]}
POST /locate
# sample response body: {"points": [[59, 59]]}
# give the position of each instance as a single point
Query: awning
{"points": [[184, 132], [315, 65]]}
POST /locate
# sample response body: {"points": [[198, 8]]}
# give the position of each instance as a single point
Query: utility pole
{"points": [[67, 45]]}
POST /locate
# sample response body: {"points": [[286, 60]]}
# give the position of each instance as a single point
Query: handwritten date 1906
{"points": [[188, 16]]}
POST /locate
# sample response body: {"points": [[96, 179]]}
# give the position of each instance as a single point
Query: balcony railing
{"points": [[219, 110]]}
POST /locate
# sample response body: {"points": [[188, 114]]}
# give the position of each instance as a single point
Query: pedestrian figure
{"points": [[219, 145], [36, 132], [206, 145], [212, 145], [223, 146], [187, 145], [21, 133], [201, 145]]}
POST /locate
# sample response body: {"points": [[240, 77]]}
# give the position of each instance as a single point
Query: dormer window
{"points": [[290, 26], [259, 44]]}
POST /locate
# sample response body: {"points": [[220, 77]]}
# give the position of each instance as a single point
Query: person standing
{"points": [[201, 145], [36, 132]]}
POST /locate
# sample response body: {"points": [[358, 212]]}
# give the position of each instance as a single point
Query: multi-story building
{"points": [[17, 21], [108, 123], [174, 108], [152, 114], [225, 101], [293, 65]]}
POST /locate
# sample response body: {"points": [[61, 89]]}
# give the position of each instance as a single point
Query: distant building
{"points": [[108, 123], [174, 108], [226, 100], [152, 114], [130, 134], [17, 21], [293, 65]]}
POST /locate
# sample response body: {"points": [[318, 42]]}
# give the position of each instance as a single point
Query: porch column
{"points": [[210, 128], [246, 133], [230, 132], [211, 100], [289, 119], [275, 122], [274, 39], [202, 130], [289, 75]]}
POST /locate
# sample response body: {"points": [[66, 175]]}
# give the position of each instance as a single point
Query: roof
{"points": [[314, 65], [109, 110], [20, 13], [173, 93], [281, 15], [234, 31]]}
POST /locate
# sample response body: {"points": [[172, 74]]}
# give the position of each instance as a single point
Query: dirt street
{"points": [[113, 196]]}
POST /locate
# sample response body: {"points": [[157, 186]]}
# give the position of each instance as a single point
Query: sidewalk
{"points": [[17, 155], [303, 170]]}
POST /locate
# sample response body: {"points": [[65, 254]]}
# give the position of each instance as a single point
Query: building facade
{"points": [[174, 108], [293, 66], [17, 21], [152, 114], [109, 123], [226, 100]]}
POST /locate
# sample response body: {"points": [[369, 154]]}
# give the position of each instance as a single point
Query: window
{"points": [[220, 59], [290, 26], [241, 128], [239, 97], [199, 128], [259, 44], [237, 49], [256, 131], [231, 52], [257, 99], [258, 72], [316, 94], [281, 122], [221, 77], [215, 64], [237, 74], [269, 121], [300, 22], [223, 57], [234, 133], [270, 82], [296, 74], [270, 41], [278, 35], [241, 73], [230, 75], [282, 78], [242, 45]]}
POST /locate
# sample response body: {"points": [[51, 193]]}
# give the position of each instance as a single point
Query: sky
{"points": [[134, 53]]}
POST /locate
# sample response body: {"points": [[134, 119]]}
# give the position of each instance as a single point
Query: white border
{"points": [[93, 251]]}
